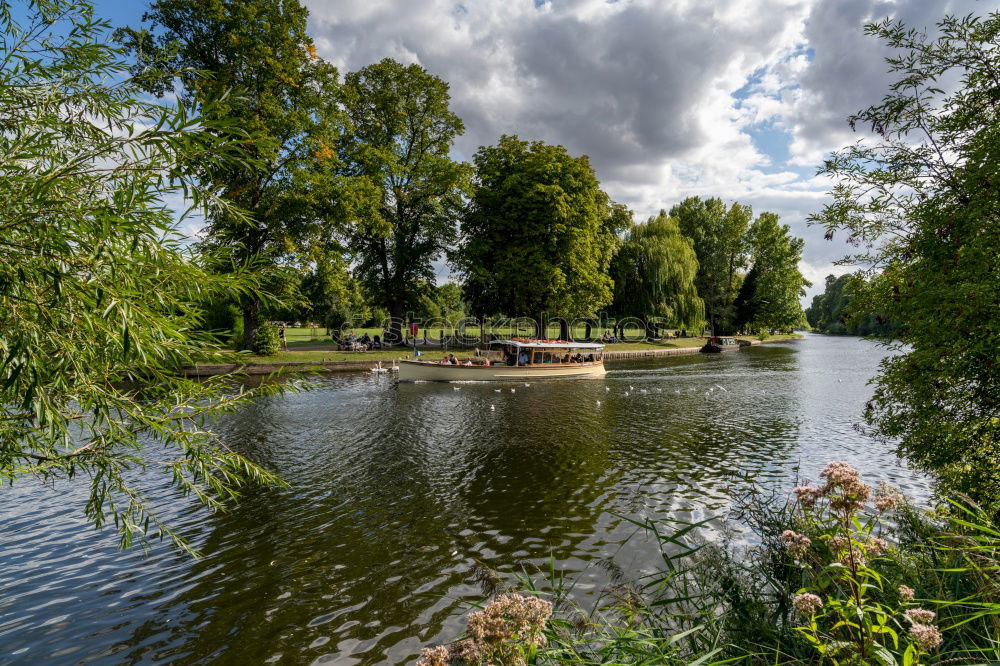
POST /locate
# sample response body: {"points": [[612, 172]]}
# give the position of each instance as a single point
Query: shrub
{"points": [[265, 341]]}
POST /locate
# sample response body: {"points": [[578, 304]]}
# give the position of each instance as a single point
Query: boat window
{"points": [[538, 357]]}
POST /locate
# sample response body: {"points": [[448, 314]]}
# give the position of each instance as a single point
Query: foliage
{"points": [[721, 245], [443, 303], [920, 202], [101, 305], [403, 131], [830, 311], [286, 100], [834, 576], [539, 233], [769, 296], [265, 340], [654, 272]]}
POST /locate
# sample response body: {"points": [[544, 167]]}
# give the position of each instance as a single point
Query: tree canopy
{"points": [[538, 234], [831, 312], [769, 296], [101, 304], [402, 134], [257, 57], [921, 202], [654, 274], [721, 245]]}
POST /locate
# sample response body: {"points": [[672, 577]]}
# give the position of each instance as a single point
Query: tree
{"points": [[720, 244], [921, 202], [333, 297], [830, 311], [539, 234], [654, 272], [769, 296], [101, 305], [402, 134], [285, 98]]}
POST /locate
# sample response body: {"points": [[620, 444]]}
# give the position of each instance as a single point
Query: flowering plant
{"points": [[845, 610]]}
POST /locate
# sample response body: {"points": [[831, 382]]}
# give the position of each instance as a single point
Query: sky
{"points": [[738, 99]]}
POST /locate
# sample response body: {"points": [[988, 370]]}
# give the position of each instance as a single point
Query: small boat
{"points": [[717, 345], [517, 359]]}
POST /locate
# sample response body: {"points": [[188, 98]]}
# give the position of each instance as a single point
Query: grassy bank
{"points": [[305, 350]]}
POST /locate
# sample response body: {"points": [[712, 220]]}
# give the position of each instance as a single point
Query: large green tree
{"points": [[769, 296], [720, 242], [402, 134], [283, 96], [539, 233], [922, 201], [100, 305], [654, 273]]}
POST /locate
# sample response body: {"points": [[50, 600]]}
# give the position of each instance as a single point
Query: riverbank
{"points": [[328, 359]]}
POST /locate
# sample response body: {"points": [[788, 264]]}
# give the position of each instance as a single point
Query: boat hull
{"points": [[426, 371]]}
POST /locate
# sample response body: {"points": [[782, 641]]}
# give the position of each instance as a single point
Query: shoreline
{"points": [[363, 364]]}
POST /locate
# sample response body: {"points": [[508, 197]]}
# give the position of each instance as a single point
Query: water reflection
{"points": [[395, 490]]}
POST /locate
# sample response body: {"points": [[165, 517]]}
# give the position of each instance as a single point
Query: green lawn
{"points": [[316, 356]]}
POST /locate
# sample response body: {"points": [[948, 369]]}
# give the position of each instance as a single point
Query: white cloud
{"points": [[648, 89]]}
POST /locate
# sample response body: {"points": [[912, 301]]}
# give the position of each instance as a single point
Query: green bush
{"points": [[265, 341]]}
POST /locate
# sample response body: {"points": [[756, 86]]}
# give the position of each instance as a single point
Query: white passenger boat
{"points": [[513, 360]]}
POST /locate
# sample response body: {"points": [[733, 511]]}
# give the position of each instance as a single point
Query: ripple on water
{"points": [[397, 490]]}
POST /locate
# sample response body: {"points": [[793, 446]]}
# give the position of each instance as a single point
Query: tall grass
{"points": [[833, 576]]}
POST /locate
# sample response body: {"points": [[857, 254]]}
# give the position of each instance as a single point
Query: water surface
{"points": [[396, 490]]}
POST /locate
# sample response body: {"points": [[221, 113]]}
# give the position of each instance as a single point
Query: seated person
{"points": [[468, 362], [606, 338], [523, 358], [452, 359], [376, 342]]}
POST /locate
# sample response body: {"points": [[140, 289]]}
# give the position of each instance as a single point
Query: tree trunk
{"points": [[251, 322], [540, 327], [587, 330], [396, 322], [563, 329]]}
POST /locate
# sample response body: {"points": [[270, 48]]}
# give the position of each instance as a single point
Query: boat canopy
{"points": [[547, 344]]}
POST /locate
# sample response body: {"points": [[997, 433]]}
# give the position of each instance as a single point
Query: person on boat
{"points": [[452, 359], [523, 358], [486, 362], [468, 361]]}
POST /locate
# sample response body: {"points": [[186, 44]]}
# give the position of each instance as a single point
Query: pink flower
{"points": [[920, 616], [797, 544], [808, 495], [806, 604], [906, 593], [436, 656], [926, 636]]}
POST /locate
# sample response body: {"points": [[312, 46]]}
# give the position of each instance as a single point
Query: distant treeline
{"points": [[831, 311]]}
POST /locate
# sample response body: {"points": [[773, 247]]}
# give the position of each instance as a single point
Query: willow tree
{"points": [[539, 234], [284, 97], [654, 273], [99, 302], [401, 139]]}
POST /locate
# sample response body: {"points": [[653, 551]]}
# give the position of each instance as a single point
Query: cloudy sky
{"points": [[739, 99]]}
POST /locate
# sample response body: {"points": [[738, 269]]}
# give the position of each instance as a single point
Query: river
{"points": [[396, 490]]}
